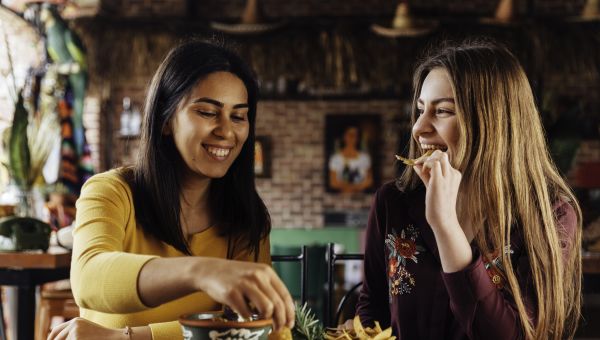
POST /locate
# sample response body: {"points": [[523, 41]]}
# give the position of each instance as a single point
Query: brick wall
{"points": [[296, 192]]}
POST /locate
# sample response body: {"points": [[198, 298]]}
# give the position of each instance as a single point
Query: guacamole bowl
{"points": [[212, 326]]}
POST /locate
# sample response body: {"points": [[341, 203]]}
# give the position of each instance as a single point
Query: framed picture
{"points": [[262, 157], [351, 152]]}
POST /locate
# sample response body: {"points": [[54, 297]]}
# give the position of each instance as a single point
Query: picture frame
{"points": [[352, 143], [262, 156]]}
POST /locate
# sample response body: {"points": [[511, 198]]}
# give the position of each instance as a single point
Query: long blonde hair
{"points": [[504, 159]]}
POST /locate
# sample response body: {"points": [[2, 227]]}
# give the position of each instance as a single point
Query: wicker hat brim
{"points": [[394, 32], [245, 29]]}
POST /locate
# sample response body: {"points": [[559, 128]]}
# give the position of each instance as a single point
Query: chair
{"points": [[303, 259], [331, 319], [54, 303]]}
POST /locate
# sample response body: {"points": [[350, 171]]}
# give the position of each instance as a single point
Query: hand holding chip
{"points": [[442, 183]]}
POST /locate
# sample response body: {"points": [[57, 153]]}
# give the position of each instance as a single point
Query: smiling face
{"points": [[211, 125], [437, 124]]}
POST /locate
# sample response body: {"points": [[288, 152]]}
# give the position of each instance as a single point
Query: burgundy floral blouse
{"points": [[405, 287]]}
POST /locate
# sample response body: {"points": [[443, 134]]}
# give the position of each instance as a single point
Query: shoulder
{"points": [[392, 191], [336, 160], [389, 189], [363, 156], [109, 182], [563, 208], [396, 190], [566, 217], [336, 157]]}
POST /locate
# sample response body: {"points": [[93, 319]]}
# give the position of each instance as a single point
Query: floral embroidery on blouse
{"points": [[494, 267], [400, 249]]}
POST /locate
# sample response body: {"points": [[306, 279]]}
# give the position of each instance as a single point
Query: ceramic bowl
{"points": [[211, 326]]}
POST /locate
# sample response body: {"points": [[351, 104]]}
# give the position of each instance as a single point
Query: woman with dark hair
{"points": [[481, 238], [184, 229], [350, 167]]}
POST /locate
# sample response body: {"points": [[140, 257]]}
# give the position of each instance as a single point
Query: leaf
{"points": [[307, 325], [43, 135], [18, 148]]}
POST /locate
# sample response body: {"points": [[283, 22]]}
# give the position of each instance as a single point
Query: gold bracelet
{"points": [[128, 331]]}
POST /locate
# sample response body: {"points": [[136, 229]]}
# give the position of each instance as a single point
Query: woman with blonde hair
{"points": [[480, 239]]}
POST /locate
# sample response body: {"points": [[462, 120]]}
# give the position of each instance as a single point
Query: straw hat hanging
{"points": [[590, 12], [404, 25], [504, 14], [252, 21]]}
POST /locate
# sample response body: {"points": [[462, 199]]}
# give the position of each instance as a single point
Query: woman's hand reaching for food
{"points": [[241, 285]]}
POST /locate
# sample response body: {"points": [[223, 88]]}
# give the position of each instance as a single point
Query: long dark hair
{"points": [[238, 211]]}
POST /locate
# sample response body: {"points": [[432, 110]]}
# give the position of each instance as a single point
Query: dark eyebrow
{"points": [[438, 100], [217, 103]]}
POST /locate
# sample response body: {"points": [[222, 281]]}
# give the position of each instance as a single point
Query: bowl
{"points": [[212, 326]]}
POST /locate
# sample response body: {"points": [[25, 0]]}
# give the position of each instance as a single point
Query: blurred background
{"points": [[333, 74]]}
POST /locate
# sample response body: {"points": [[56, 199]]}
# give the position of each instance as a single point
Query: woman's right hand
{"points": [[237, 283]]}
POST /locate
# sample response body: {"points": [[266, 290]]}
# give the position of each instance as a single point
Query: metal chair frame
{"points": [[332, 258], [303, 259]]}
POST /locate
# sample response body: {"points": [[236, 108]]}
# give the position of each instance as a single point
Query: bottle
{"points": [[135, 122], [126, 117]]}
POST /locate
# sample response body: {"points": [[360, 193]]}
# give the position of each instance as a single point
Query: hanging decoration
{"points": [[404, 25], [590, 12], [504, 14], [252, 22]]}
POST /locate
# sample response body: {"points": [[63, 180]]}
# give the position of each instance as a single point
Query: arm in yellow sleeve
{"points": [[172, 330], [166, 331], [103, 276]]}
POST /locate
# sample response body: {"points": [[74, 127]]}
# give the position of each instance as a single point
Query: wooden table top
{"points": [[591, 263], [54, 258]]}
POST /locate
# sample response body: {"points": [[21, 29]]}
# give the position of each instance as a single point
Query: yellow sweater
{"points": [[110, 250]]}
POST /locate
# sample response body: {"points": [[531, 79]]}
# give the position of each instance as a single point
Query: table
{"points": [[26, 271]]}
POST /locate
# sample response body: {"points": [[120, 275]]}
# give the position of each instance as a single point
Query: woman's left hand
{"points": [[80, 328], [442, 182]]}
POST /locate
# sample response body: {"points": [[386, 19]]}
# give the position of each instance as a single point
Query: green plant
{"points": [[307, 325], [19, 158], [29, 143]]}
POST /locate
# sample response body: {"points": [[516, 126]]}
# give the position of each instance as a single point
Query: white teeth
{"points": [[433, 147], [218, 152]]}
